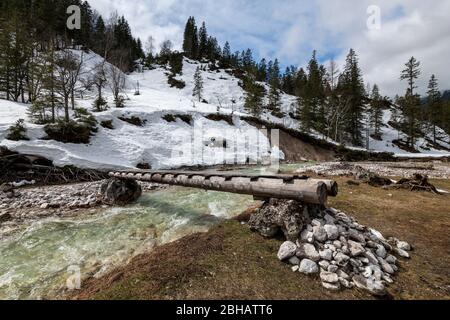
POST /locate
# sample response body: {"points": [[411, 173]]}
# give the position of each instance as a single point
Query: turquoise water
{"points": [[46, 256]]}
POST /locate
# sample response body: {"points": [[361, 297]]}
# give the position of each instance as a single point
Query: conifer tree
{"points": [[411, 101], [203, 41], [376, 112], [351, 89], [198, 85], [434, 104]]}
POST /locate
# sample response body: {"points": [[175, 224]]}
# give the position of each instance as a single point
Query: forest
{"points": [[38, 66]]}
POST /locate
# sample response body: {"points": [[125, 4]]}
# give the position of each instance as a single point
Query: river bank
{"points": [[231, 262]]}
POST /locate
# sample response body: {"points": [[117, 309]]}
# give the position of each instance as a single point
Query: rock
{"points": [[403, 245], [287, 250], [308, 267], [345, 250], [316, 223], [342, 274], [332, 231], [355, 235], [341, 259], [381, 251], [332, 268], [387, 279], [369, 255], [324, 264], [401, 253], [295, 268], [307, 250], [344, 282], [391, 259], [375, 287], [275, 215], [364, 260], [355, 248], [326, 254], [120, 191], [319, 233], [329, 277], [331, 286], [329, 219], [377, 234], [386, 267], [337, 244], [306, 235], [45, 205], [356, 263], [294, 261], [5, 217]]}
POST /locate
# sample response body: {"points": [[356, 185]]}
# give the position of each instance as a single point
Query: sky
{"points": [[291, 29]]}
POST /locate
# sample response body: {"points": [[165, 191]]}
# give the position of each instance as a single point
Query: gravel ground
{"points": [[434, 170], [62, 200]]}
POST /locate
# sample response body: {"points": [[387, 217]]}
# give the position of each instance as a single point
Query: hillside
{"points": [[165, 138]]}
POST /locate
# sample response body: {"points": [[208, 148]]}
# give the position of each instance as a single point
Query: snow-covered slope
{"points": [[160, 143]]}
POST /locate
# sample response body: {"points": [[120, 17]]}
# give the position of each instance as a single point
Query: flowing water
{"points": [[45, 256], [39, 261]]}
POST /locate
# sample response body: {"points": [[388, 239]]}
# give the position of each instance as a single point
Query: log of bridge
{"points": [[311, 191]]}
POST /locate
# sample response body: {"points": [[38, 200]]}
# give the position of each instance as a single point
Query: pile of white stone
{"points": [[344, 253]]}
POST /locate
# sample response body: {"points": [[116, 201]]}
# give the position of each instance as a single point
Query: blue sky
{"points": [[291, 29]]}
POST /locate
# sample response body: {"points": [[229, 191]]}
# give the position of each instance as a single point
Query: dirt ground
{"points": [[231, 262]]}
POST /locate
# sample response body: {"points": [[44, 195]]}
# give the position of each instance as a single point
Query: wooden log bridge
{"points": [[262, 187]]}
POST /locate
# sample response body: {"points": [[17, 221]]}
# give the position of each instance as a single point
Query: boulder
{"points": [[375, 287], [355, 248], [403, 245], [276, 215], [120, 191], [326, 254], [329, 277], [331, 286], [287, 250], [308, 266], [332, 231], [320, 234], [307, 250]]}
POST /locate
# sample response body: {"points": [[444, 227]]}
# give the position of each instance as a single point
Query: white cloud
{"points": [[290, 30]]}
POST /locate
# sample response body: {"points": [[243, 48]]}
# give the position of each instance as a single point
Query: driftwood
{"points": [[417, 183], [16, 167]]}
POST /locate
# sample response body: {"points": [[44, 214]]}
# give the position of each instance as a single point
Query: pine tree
{"points": [[226, 55], [190, 39], [376, 112], [274, 93], [411, 100], [203, 41], [198, 84], [434, 104], [254, 96], [352, 92]]}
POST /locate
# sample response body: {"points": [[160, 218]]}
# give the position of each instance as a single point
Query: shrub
{"points": [[169, 118], [134, 121], [187, 118], [174, 83], [69, 132], [119, 102], [220, 117], [83, 116], [108, 124], [17, 131], [100, 105]]}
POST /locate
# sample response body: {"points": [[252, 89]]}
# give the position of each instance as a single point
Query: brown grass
{"points": [[230, 262]]}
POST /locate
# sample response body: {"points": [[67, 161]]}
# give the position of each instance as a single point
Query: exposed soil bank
{"points": [[231, 262]]}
